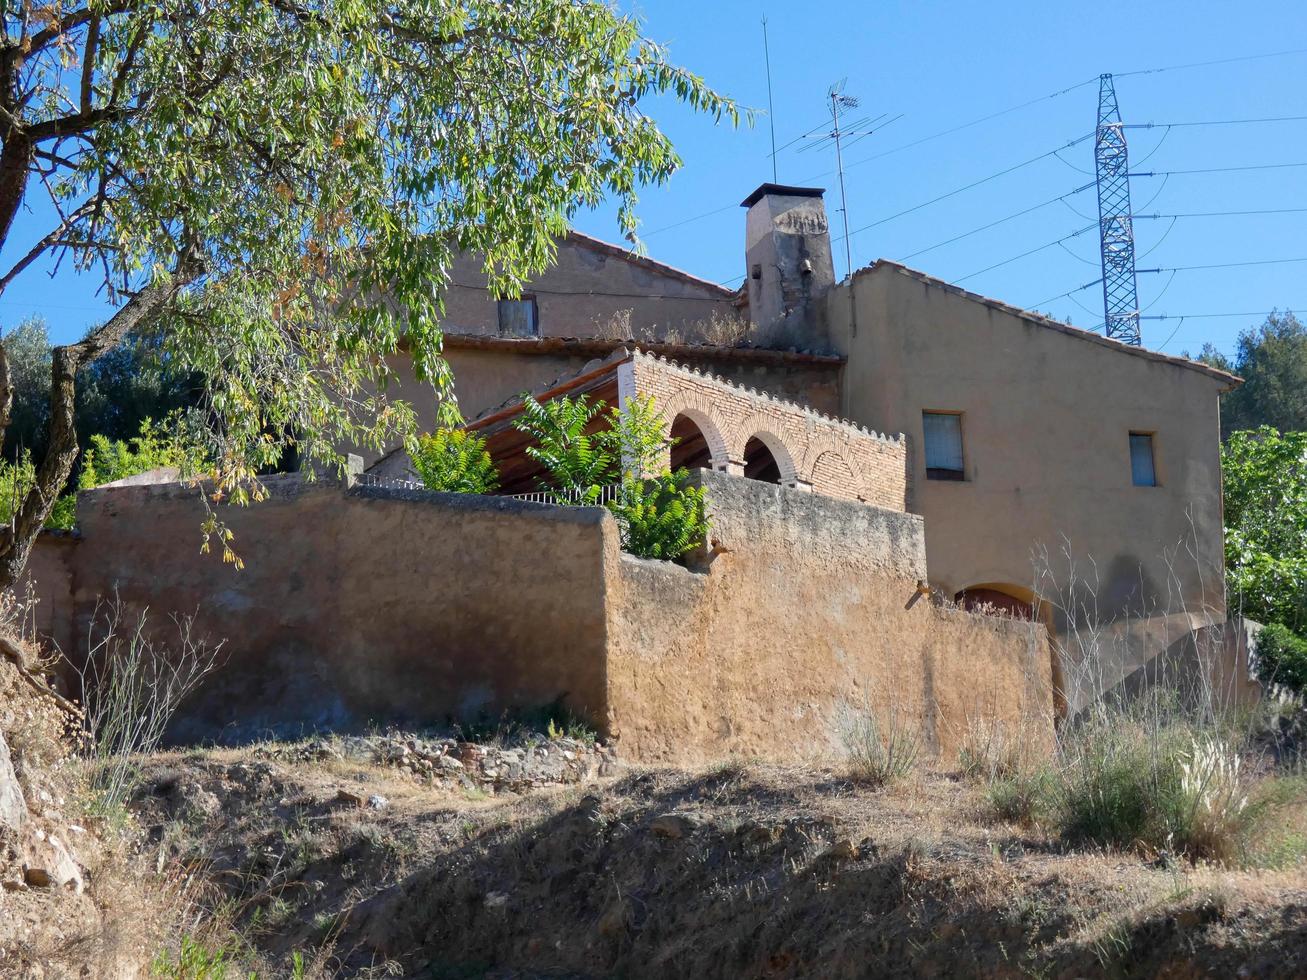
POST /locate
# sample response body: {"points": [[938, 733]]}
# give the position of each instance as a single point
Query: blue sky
{"points": [[943, 64]]}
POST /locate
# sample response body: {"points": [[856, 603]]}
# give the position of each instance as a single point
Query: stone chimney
{"points": [[788, 264]]}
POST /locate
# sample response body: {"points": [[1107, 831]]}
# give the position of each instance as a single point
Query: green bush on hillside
{"points": [[1282, 658]]}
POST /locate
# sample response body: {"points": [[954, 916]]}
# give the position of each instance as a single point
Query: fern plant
{"points": [[580, 463], [661, 517], [454, 461]]}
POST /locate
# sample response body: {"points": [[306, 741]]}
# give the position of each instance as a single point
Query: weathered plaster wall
{"points": [[48, 576], [373, 605], [367, 605], [809, 603], [828, 455], [593, 289], [1046, 418]]}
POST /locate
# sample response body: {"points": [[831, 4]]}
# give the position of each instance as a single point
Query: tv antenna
{"points": [[771, 107], [859, 128]]}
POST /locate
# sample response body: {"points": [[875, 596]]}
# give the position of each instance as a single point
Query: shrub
{"points": [[1019, 796], [878, 752], [661, 517], [1282, 658], [454, 461], [158, 445], [580, 462]]}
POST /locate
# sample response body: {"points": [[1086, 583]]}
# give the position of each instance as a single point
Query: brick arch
{"points": [[763, 428], [831, 472], [818, 445], [698, 409]]}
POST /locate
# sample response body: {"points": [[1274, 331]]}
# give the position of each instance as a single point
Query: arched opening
{"points": [[760, 463], [690, 447], [990, 597]]}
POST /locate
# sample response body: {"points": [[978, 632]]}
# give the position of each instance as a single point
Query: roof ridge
{"points": [[1050, 323], [630, 255]]}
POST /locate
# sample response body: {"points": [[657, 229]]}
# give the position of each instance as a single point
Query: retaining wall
{"points": [[369, 605]]}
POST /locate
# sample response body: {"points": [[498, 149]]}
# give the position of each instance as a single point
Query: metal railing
{"points": [[557, 498]]}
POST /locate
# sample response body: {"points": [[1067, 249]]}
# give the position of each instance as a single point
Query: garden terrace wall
{"points": [[370, 605], [808, 604]]}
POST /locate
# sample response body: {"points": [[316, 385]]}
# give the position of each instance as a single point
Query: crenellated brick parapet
{"points": [[813, 451]]}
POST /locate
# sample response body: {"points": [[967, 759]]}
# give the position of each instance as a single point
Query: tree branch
{"points": [[16, 539]]}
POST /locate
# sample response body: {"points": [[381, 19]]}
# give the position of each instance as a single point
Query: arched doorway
{"points": [[691, 448], [760, 463]]}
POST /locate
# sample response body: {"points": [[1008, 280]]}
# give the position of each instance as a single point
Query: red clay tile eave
{"points": [[1231, 381], [596, 346]]}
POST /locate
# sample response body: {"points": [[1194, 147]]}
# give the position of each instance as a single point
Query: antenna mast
{"points": [[771, 108], [1115, 222], [838, 101]]}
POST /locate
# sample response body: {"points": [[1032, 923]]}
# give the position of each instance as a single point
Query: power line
{"points": [[1226, 265], [1219, 214], [1218, 170], [961, 126], [992, 224], [1032, 251], [967, 187], [1215, 122], [1208, 64], [1212, 316], [1069, 292]]}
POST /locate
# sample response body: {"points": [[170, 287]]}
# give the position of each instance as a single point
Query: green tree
{"points": [[29, 355], [1272, 360], [454, 461], [1265, 477], [273, 191]]}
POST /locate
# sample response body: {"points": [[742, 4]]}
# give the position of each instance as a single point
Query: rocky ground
{"points": [[365, 864], [423, 855]]}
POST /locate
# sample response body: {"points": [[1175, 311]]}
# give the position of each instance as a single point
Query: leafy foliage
{"points": [[1265, 476], [27, 347], [275, 192], [1272, 360], [569, 443], [660, 517], [1282, 658], [584, 450], [454, 461], [157, 445]]}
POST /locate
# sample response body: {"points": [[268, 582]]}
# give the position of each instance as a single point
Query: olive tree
{"points": [[273, 191]]}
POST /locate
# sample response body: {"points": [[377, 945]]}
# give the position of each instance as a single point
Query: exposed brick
{"points": [[834, 457]]}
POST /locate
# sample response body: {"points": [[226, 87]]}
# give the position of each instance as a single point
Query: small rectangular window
{"points": [[518, 317], [943, 445], [1143, 471]]}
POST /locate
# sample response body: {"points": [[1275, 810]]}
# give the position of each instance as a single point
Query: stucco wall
{"points": [[48, 577], [592, 289], [380, 606], [808, 603], [1046, 418], [371, 605]]}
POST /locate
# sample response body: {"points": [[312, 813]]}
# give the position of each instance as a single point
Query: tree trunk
{"points": [[17, 539]]}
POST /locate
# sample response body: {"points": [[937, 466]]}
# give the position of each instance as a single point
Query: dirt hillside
{"points": [[359, 863]]}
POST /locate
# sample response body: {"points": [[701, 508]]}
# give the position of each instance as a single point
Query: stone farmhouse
{"points": [[1062, 476], [921, 499]]}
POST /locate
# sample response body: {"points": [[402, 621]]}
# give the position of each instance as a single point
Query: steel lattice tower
{"points": [[1115, 224]]}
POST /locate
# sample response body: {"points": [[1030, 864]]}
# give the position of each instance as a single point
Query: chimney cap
{"points": [[780, 190]]}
